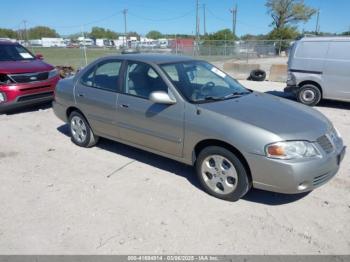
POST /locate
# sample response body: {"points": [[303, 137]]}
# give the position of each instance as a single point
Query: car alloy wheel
{"points": [[219, 174], [78, 129]]}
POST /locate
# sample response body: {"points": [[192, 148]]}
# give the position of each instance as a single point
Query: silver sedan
{"points": [[190, 111]]}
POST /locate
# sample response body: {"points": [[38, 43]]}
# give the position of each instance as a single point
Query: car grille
{"points": [[326, 144], [321, 179], [30, 77], [35, 96]]}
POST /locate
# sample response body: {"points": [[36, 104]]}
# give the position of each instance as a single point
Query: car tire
{"points": [[222, 174], [80, 131], [257, 75], [309, 95]]}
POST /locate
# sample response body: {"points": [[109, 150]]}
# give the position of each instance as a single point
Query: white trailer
{"points": [[52, 42]]}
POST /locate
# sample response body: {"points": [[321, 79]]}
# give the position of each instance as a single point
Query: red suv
{"points": [[24, 78]]}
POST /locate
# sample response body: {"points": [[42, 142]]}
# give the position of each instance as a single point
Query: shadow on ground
{"points": [[171, 166], [323, 103], [30, 108]]}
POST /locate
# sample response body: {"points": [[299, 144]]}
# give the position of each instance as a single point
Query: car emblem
{"points": [[33, 78]]}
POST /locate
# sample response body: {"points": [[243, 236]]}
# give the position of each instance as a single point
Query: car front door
{"points": [[159, 127], [96, 96], [337, 71]]}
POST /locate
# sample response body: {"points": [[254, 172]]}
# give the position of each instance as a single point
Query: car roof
{"points": [[325, 39], [7, 42], [153, 58]]}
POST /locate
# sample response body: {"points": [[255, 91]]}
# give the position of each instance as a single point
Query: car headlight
{"points": [[2, 97], [292, 150], [53, 73]]}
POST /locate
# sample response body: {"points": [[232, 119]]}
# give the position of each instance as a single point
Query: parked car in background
{"points": [[192, 112], [24, 78], [319, 68]]}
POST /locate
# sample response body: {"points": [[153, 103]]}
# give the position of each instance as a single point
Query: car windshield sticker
{"points": [[26, 55], [218, 72]]}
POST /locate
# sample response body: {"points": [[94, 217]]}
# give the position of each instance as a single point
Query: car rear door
{"points": [[96, 94], [158, 127], [337, 71]]}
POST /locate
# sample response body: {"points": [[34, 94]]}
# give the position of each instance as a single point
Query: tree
{"points": [[99, 32], [224, 34], [285, 33], [285, 12], [8, 33], [39, 32], [248, 37], [154, 34]]}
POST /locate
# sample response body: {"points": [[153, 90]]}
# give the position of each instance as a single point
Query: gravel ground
{"points": [[57, 198]]}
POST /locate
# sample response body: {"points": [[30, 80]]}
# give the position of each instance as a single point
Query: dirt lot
{"points": [[57, 198]]}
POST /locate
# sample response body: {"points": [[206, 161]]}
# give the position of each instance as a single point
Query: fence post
{"points": [[280, 49]]}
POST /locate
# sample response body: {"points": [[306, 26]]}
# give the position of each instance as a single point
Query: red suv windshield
{"points": [[14, 53]]}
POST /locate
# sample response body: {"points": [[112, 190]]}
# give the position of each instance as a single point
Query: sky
{"points": [[167, 16]]}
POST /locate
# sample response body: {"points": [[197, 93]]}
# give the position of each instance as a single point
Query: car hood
{"points": [[26, 66], [287, 119]]}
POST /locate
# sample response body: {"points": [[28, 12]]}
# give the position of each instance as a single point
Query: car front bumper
{"points": [[24, 94], [292, 176], [291, 89]]}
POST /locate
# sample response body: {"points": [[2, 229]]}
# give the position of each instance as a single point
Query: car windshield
{"points": [[201, 82], [14, 53]]}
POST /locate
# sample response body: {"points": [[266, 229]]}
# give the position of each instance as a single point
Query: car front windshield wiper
{"points": [[236, 94], [221, 98]]}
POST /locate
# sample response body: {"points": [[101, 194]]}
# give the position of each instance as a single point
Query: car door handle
{"points": [[81, 95], [124, 106]]}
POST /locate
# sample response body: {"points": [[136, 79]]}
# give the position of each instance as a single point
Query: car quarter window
{"points": [[105, 76], [88, 77], [142, 80]]}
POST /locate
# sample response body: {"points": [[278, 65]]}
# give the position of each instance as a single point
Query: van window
{"points": [[312, 50], [339, 50]]}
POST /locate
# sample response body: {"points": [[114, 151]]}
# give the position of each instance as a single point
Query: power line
{"points": [[162, 20]]}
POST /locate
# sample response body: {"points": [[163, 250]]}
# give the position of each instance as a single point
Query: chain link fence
{"points": [[208, 50]]}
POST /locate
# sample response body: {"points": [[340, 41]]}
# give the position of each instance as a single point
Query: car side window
{"points": [[142, 80], [107, 75]]}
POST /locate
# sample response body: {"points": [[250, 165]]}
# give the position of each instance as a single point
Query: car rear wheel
{"points": [[309, 95], [222, 174], [80, 130]]}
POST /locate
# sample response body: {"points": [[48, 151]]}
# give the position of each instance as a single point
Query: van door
{"points": [[337, 71]]}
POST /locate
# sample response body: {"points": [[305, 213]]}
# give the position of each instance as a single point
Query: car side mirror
{"points": [[161, 97], [39, 56]]}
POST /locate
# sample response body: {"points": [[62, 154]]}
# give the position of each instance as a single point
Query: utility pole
{"points": [[317, 22], [234, 18], [204, 21], [125, 11], [197, 27], [25, 31]]}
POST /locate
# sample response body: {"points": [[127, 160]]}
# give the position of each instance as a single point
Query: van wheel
{"points": [[222, 174], [309, 95], [80, 130]]}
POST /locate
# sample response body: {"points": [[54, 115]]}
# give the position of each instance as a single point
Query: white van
{"points": [[319, 68]]}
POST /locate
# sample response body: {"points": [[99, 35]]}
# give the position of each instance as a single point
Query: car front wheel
{"points": [[80, 130], [222, 174]]}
